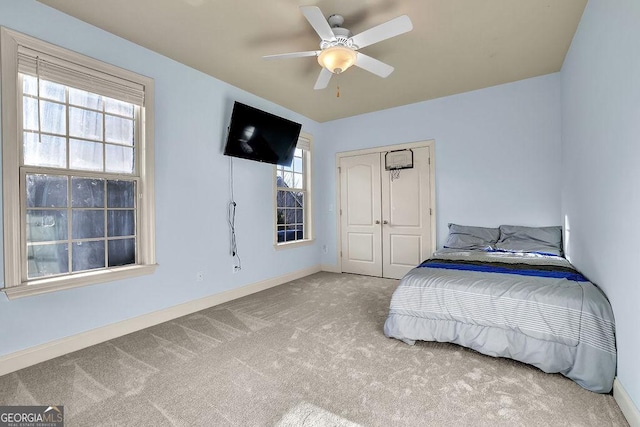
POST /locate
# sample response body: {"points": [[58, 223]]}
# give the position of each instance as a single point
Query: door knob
{"points": [[377, 221], [385, 222]]}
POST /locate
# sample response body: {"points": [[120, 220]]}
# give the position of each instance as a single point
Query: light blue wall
{"points": [[497, 154], [191, 113], [601, 165]]}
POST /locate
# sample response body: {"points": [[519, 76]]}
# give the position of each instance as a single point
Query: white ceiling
{"points": [[455, 45]]}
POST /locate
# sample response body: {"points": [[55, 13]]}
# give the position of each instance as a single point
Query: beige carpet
{"points": [[307, 353]]}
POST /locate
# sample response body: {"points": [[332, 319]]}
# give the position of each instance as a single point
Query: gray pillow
{"points": [[543, 240], [471, 238]]}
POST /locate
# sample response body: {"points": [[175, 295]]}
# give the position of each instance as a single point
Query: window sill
{"points": [[42, 286], [294, 244]]}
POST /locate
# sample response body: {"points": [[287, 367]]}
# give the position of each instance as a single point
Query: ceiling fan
{"points": [[339, 48]]}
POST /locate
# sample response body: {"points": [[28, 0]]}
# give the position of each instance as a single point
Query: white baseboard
{"points": [[628, 408], [40, 353], [331, 268]]}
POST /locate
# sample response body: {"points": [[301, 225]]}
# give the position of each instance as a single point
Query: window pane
{"points": [[85, 123], [289, 200], [121, 194], [292, 218], [298, 152], [29, 85], [85, 99], [52, 118], [122, 252], [88, 255], [297, 164], [290, 233], [119, 130], [281, 216], [288, 179], [119, 159], [46, 260], [50, 90], [87, 192], [121, 223], [281, 198], [87, 224], [85, 155], [297, 180], [118, 107], [299, 216], [292, 199], [46, 226], [29, 113], [49, 151], [46, 191]]}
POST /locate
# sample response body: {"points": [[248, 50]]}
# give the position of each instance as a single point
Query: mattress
{"points": [[533, 308]]}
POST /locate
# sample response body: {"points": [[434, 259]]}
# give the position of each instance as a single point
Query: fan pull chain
{"points": [[338, 85]]}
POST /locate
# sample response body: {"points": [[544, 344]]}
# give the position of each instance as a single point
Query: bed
{"points": [[509, 292]]}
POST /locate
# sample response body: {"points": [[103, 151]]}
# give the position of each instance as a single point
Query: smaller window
{"points": [[293, 196]]}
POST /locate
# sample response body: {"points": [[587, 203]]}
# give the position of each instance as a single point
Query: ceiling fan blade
{"points": [[323, 79], [374, 66], [395, 27], [318, 22], [293, 55]]}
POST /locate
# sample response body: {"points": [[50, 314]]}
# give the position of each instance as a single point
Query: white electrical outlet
{"points": [[200, 276]]}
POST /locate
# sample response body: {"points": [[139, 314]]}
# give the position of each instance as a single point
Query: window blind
{"points": [[303, 143], [62, 71]]}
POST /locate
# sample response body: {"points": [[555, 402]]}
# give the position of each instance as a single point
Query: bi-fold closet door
{"points": [[385, 221]]}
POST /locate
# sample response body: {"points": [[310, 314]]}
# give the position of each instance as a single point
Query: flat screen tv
{"points": [[257, 135]]}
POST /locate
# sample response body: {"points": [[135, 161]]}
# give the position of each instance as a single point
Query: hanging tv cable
{"points": [[232, 219]]}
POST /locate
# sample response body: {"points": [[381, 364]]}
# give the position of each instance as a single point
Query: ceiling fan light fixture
{"points": [[337, 59]]}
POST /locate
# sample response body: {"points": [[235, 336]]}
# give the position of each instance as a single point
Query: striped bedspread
{"points": [[533, 308]]}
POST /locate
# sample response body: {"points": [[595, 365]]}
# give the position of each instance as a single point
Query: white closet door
{"points": [[406, 216], [360, 214]]}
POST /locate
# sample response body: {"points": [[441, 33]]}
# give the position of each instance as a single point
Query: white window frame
{"points": [[16, 283], [305, 142]]}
